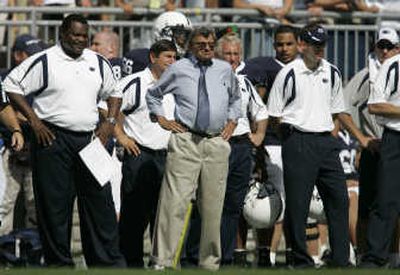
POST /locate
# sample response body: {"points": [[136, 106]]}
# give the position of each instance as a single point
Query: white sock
{"points": [[322, 249], [316, 260], [352, 257], [272, 258]]}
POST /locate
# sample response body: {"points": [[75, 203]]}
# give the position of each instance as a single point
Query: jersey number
{"points": [[348, 160]]}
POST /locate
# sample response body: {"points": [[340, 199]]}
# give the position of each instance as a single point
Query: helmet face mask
{"points": [[173, 26], [262, 205]]}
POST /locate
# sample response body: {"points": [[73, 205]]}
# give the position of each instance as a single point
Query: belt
{"points": [[52, 126], [386, 129], [240, 138], [152, 151], [200, 133], [289, 128]]}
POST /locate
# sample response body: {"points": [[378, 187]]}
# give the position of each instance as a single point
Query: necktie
{"points": [[203, 106]]}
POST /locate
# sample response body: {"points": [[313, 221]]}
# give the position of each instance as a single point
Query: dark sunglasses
{"points": [[203, 45], [385, 45]]}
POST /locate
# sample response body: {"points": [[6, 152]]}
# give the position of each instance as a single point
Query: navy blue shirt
{"points": [[348, 153], [117, 67], [135, 61]]}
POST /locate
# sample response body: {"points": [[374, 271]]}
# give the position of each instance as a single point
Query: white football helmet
{"points": [[174, 26], [316, 207], [262, 205]]}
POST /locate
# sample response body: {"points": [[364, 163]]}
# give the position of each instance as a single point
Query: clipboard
{"points": [[98, 161]]}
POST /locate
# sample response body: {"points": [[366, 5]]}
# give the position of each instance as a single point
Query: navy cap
{"points": [[314, 34], [29, 44]]}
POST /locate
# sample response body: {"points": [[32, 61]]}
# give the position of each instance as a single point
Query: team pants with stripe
{"points": [[59, 176]]}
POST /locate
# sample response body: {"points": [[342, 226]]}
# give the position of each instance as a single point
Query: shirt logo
{"points": [[91, 69], [324, 80]]}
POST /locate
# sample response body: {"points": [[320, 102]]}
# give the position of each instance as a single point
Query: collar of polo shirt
{"points": [[323, 66], [150, 74], [62, 54], [240, 67]]}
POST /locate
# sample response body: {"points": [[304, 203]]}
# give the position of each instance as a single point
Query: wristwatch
{"points": [[111, 120]]}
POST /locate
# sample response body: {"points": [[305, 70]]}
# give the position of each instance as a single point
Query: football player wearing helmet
{"points": [[170, 25], [174, 26]]}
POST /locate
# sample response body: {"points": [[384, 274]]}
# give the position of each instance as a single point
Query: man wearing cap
{"points": [[307, 97], [356, 95], [9, 119], [17, 165], [384, 103], [26, 45]]}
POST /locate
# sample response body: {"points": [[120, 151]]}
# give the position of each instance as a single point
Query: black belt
{"points": [[289, 129], [152, 151], [386, 129], [52, 126], [199, 133], [240, 138]]}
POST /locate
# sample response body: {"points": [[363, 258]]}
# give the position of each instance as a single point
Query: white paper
{"points": [[98, 161]]}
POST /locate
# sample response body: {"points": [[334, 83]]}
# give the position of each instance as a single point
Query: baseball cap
{"points": [[388, 33], [314, 34], [29, 44]]}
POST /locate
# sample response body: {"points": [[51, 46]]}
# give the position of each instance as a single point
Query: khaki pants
{"points": [[18, 178], [193, 163]]}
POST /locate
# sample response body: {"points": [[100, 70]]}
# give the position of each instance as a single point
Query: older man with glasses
{"points": [[207, 109]]}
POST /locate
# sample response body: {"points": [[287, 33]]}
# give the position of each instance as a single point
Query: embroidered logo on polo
{"points": [[92, 69], [325, 80]]}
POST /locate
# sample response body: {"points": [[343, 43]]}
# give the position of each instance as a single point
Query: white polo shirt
{"points": [[386, 90], [66, 90], [137, 123], [307, 99], [252, 105]]}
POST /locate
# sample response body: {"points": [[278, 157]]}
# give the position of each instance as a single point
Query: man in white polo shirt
{"points": [[307, 96], [384, 102], [356, 93], [145, 144], [66, 81]]}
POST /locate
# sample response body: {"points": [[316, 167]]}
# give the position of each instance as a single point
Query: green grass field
{"points": [[230, 271]]}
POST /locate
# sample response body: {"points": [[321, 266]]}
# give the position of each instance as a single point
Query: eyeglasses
{"points": [[385, 45], [204, 45]]}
